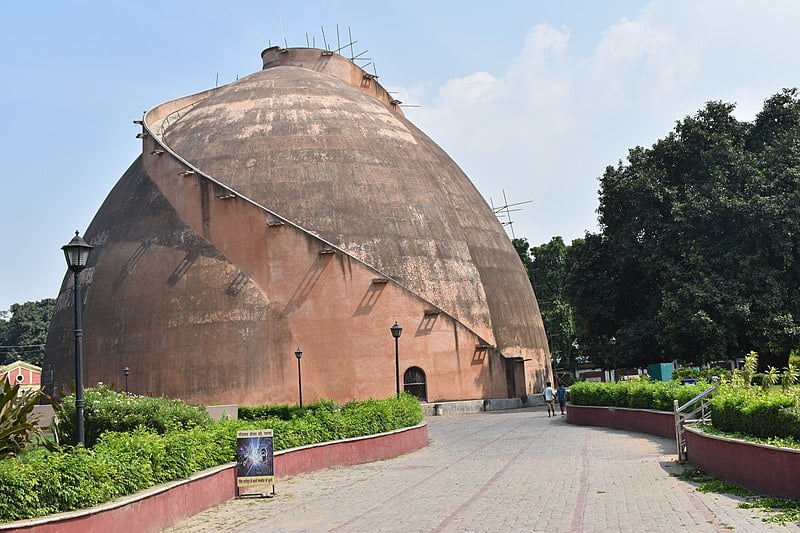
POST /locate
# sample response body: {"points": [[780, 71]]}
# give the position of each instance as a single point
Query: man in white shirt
{"points": [[549, 399]]}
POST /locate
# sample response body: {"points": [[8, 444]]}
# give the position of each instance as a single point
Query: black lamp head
{"points": [[77, 253], [396, 330]]}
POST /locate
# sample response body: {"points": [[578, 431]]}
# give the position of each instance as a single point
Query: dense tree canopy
{"points": [[23, 331], [697, 257], [546, 267], [548, 273]]}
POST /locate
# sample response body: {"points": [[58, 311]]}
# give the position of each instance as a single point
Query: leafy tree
{"points": [[698, 257], [524, 252], [546, 267], [794, 358], [3, 324], [24, 334], [548, 274], [589, 287]]}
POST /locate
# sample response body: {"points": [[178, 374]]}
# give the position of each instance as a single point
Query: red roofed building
{"points": [[26, 375]]}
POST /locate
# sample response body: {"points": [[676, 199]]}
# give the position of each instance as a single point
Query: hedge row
{"points": [[284, 411], [746, 411], [635, 394], [39, 482], [354, 419], [109, 410], [752, 412]]}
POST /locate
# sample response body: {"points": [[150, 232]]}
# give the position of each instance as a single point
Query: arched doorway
{"points": [[414, 383]]}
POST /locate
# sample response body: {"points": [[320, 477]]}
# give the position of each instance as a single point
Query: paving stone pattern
{"points": [[498, 471]]}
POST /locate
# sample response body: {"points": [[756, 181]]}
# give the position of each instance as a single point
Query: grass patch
{"points": [[708, 483], [783, 510], [786, 511], [783, 442]]}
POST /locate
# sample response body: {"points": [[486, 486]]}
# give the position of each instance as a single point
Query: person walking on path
{"points": [[549, 399], [561, 393]]}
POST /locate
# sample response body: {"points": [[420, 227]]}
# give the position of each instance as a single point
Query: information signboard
{"points": [[254, 460]]}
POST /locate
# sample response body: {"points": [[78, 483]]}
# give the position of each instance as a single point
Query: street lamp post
{"points": [[613, 372], [126, 371], [299, 353], [396, 331], [77, 254]]}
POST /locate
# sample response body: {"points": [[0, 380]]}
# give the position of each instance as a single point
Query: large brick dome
{"points": [[298, 206]]}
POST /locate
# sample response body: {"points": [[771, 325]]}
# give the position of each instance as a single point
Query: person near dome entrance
{"points": [[549, 399]]}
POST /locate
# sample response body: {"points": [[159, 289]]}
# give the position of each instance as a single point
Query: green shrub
{"points": [[325, 421], [108, 410], [783, 442], [704, 374], [761, 414], [794, 358], [18, 427], [634, 394], [19, 490], [285, 411], [42, 482]]}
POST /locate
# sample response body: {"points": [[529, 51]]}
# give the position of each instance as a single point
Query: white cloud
{"points": [[474, 89], [545, 128], [637, 64]]}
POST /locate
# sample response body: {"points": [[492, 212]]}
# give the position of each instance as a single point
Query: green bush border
{"points": [[753, 412], [762, 414], [634, 394], [41, 482], [780, 442]]}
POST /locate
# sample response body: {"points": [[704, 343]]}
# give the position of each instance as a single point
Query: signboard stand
{"points": [[254, 463]]}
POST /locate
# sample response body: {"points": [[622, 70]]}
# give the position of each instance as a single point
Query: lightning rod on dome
{"points": [[283, 34], [350, 36], [311, 42]]}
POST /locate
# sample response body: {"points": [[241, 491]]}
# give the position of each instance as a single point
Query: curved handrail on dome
{"points": [[162, 111], [177, 114]]}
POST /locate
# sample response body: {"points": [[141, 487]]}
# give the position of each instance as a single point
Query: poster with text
{"points": [[254, 458]]}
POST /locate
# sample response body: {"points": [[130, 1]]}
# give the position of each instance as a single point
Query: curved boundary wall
{"points": [[658, 423], [768, 469], [160, 507]]}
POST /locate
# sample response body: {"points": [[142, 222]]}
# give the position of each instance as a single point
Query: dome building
{"points": [[298, 207]]}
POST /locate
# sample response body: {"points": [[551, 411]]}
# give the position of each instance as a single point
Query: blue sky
{"points": [[535, 98]]}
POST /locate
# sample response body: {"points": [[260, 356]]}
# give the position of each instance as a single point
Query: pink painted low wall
{"points": [[151, 510], [768, 469], [156, 509], [350, 451], [658, 423]]}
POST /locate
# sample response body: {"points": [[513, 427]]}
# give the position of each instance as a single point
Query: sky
{"points": [[530, 98]]}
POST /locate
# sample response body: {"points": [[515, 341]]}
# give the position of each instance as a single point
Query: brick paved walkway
{"points": [[500, 471]]}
